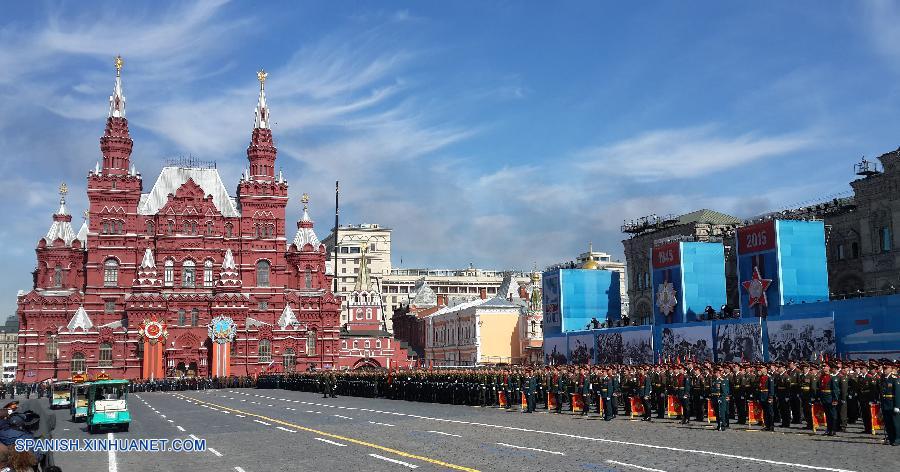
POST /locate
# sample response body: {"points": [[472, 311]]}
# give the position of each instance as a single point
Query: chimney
{"points": [[483, 293], [442, 300]]}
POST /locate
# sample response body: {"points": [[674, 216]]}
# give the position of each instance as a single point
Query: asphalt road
{"points": [[249, 430]]}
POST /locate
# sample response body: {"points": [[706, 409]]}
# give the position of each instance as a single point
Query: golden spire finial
{"points": [[261, 76], [63, 189], [119, 64], [305, 200]]}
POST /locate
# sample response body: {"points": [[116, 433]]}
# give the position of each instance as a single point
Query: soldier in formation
{"points": [[782, 395]]}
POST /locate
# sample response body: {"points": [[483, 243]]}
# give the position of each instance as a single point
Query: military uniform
{"points": [[890, 407], [829, 388], [719, 393], [766, 400]]}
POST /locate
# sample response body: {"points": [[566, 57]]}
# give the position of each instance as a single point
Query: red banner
{"points": [[524, 402], [551, 401], [600, 404], [877, 422], [577, 403], [818, 417], [673, 406], [754, 412], [667, 255], [756, 238], [710, 411], [501, 396], [637, 406]]}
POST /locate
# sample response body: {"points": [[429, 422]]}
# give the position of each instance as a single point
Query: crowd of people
{"points": [[784, 395]]}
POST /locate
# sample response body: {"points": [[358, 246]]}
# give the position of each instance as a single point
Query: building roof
{"points": [[306, 234], [171, 178], [80, 320], [425, 296], [708, 216], [498, 302], [61, 228]]}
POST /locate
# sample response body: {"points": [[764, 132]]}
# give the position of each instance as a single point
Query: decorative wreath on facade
{"points": [[153, 330], [222, 329]]}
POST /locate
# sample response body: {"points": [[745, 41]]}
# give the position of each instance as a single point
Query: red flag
{"points": [[875, 411], [637, 407]]}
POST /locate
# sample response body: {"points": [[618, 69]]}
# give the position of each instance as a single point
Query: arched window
{"points": [[256, 231], [169, 272], [262, 273], [187, 274], [78, 364], [195, 317], [52, 346], [228, 230], [289, 360], [57, 276], [193, 227], [187, 227], [120, 227], [106, 355], [209, 228], [104, 228], [181, 317], [110, 273], [265, 350], [170, 229], [208, 273], [311, 343], [151, 230], [308, 278]]}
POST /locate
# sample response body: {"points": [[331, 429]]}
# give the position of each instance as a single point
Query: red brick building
{"points": [[365, 341], [182, 279]]}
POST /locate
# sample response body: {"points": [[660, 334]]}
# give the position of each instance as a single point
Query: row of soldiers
{"points": [[784, 392], [190, 383]]}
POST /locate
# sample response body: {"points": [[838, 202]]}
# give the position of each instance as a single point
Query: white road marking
{"points": [[330, 442], [217, 453], [381, 424], [240, 416], [636, 444], [113, 466], [395, 461], [171, 421], [180, 428], [271, 405], [625, 464], [238, 469], [195, 438], [286, 429], [532, 449], [344, 417], [445, 434], [162, 415], [263, 422]]}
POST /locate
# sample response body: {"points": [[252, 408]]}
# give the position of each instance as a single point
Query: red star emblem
{"points": [[756, 288]]}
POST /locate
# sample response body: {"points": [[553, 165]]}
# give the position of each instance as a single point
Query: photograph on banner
{"points": [[581, 349], [610, 348], [802, 339], [637, 346], [555, 349], [736, 342], [689, 342]]}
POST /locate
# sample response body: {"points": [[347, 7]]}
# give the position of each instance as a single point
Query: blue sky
{"points": [[498, 133]]}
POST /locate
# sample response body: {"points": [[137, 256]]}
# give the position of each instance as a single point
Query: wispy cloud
{"points": [[883, 28], [685, 152]]}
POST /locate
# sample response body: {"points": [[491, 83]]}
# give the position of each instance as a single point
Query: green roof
{"points": [[709, 217], [110, 382]]}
